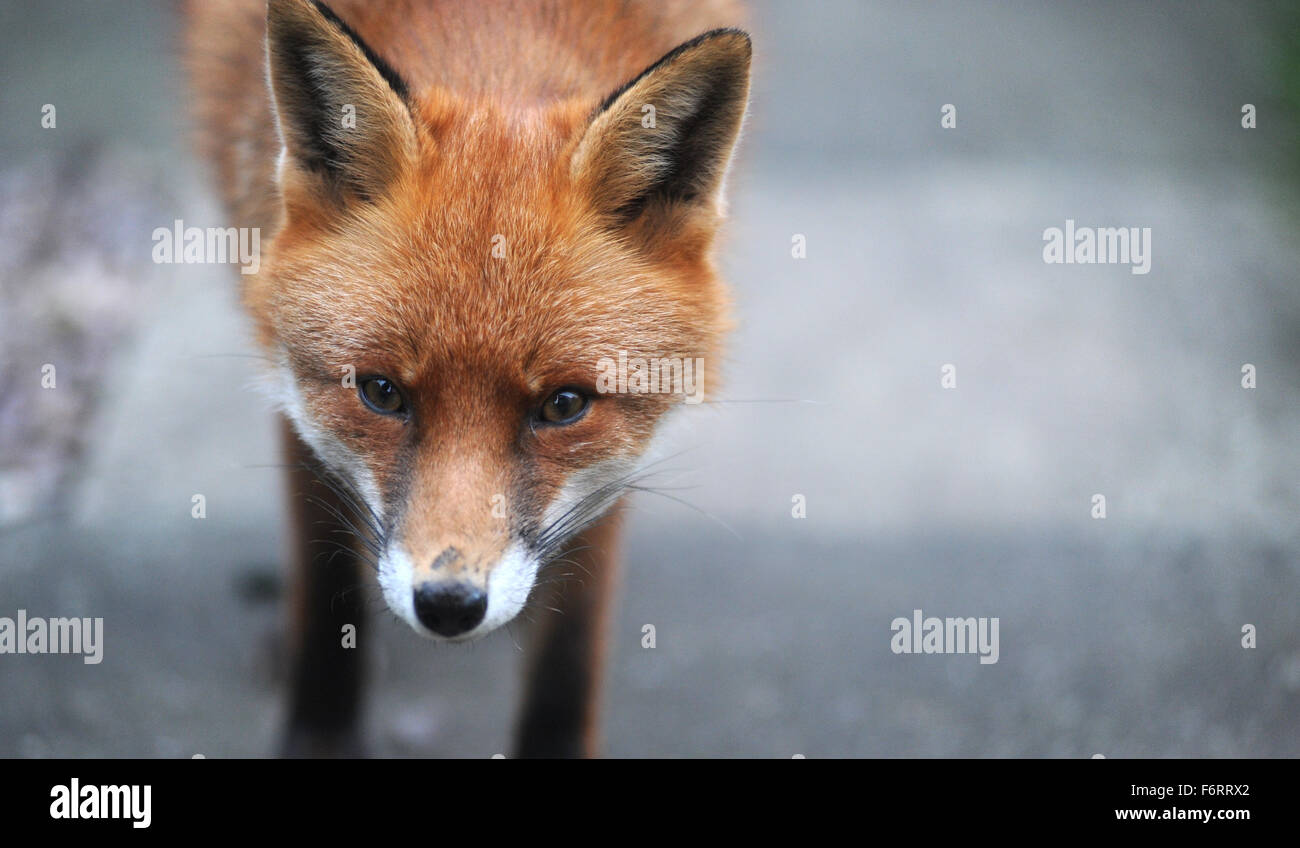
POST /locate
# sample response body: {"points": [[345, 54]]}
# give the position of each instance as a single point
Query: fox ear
{"points": [[342, 110], [664, 140]]}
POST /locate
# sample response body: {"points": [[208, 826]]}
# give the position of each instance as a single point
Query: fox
{"points": [[465, 208]]}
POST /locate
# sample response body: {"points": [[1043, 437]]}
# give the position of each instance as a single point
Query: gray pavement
{"points": [[1119, 636]]}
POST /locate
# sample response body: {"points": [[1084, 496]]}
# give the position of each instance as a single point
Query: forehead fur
{"points": [[487, 254]]}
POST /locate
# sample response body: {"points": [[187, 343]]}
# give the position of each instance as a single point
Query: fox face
{"points": [[448, 275]]}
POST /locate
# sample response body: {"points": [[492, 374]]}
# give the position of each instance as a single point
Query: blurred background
{"points": [[1119, 637]]}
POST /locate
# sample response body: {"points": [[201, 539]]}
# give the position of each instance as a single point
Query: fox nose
{"points": [[450, 608]]}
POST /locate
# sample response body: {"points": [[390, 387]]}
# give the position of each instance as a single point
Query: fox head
{"points": [[452, 274]]}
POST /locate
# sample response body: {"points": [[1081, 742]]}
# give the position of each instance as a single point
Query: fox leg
{"points": [[560, 716], [325, 595]]}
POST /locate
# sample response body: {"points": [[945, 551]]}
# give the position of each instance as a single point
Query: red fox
{"points": [[466, 207]]}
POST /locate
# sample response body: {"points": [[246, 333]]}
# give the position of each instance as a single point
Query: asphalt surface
{"points": [[1119, 636]]}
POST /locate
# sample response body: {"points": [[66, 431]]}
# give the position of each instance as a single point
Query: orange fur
{"points": [[383, 237]]}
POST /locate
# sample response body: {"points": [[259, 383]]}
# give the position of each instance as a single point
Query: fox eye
{"points": [[381, 395], [564, 407]]}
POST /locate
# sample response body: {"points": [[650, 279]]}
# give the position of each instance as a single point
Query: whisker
{"points": [[664, 493], [364, 538]]}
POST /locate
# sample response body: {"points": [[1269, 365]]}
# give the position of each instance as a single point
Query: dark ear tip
{"points": [[299, 11], [725, 37], [728, 44], [734, 33], [284, 11]]}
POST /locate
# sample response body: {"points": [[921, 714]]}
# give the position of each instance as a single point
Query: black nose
{"points": [[450, 609]]}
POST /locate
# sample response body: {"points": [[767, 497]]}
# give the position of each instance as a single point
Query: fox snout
{"points": [[450, 608], [450, 596], [458, 594]]}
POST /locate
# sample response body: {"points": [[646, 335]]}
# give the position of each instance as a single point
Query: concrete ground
{"points": [[1119, 636]]}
